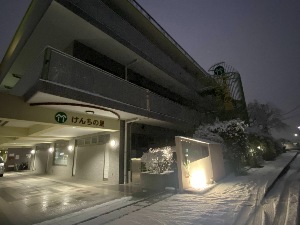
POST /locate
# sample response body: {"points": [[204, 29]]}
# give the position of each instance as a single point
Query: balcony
{"points": [[59, 74]]}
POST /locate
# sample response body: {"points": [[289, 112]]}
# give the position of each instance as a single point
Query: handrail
{"points": [[106, 73]]}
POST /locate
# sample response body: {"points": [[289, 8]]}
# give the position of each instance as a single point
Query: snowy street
{"points": [[281, 204], [235, 200]]}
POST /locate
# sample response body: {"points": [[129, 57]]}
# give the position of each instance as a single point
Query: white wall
{"points": [[90, 162]]}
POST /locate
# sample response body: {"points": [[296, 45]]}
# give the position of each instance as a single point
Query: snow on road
{"points": [[281, 204], [233, 201]]}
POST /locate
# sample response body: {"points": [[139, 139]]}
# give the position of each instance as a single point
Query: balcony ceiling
{"points": [[21, 133]]}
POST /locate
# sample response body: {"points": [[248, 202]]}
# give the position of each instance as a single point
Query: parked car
{"points": [[1, 166]]}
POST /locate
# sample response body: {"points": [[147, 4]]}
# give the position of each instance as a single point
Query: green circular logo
{"points": [[61, 117], [219, 70]]}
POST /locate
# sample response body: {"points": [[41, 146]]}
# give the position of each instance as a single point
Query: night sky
{"points": [[260, 39]]}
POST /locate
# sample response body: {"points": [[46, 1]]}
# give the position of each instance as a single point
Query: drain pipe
{"points": [[125, 148]]}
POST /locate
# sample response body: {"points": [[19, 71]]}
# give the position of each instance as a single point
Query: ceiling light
{"points": [[90, 112]]}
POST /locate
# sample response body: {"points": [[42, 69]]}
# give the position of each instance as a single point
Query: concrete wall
{"points": [[113, 173], [202, 171], [40, 160], [90, 162], [216, 154], [202, 167], [99, 162]]}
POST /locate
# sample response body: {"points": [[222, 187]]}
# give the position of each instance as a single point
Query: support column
{"points": [[121, 152]]}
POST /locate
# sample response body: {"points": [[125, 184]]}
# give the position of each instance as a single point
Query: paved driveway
{"points": [[28, 199]]}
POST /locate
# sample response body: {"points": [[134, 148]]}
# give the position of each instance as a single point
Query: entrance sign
{"points": [[61, 117], [87, 121], [199, 163]]}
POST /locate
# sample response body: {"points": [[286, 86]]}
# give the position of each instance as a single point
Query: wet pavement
{"points": [[27, 199]]}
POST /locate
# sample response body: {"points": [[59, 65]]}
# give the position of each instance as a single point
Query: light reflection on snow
{"points": [[45, 202]]}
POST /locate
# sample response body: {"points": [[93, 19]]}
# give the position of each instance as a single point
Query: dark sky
{"points": [[260, 39]]}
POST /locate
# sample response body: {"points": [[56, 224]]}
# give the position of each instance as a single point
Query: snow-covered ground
{"points": [[235, 200]]}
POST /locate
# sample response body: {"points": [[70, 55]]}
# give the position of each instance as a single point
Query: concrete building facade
{"points": [[96, 82]]}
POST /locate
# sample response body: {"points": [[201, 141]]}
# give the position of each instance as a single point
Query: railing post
{"points": [[46, 63]]}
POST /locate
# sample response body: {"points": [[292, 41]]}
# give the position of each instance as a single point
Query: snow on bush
{"points": [[205, 132], [232, 134], [158, 160]]}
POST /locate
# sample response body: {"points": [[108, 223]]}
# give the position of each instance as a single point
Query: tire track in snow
{"points": [[278, 207], [252, 204], [123, 211]]}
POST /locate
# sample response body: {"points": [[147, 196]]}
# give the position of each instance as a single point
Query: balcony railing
{"points": [[60, 68]]}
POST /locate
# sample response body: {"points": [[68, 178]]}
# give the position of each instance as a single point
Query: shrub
{"points": [[158, 160], [255, 150], [269, 152], [234, 138]]}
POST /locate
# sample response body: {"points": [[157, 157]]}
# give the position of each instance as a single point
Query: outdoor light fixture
{"points": [[259, 147], [112, 143], [32, 151], [50, 150], [299, 127], [198, 179], [296, 135], [70, 148], [91, 112]]}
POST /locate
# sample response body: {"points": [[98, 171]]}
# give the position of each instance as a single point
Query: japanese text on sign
{"points": [[78, 120]]}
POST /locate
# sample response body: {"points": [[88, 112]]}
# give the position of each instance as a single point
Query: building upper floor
{"points": [[118, 37]]}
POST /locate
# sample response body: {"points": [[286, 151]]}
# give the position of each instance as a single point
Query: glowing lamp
{"points": [[112, 143], [198, 179]]}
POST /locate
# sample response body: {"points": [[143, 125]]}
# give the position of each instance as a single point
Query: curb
{"points": [[284, 171]]}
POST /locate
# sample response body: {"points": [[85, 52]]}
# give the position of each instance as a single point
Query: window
{"points": [[61, 154], [193, 152]]}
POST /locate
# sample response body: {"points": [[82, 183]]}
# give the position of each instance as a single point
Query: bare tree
{"points": [[265, 117]]}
